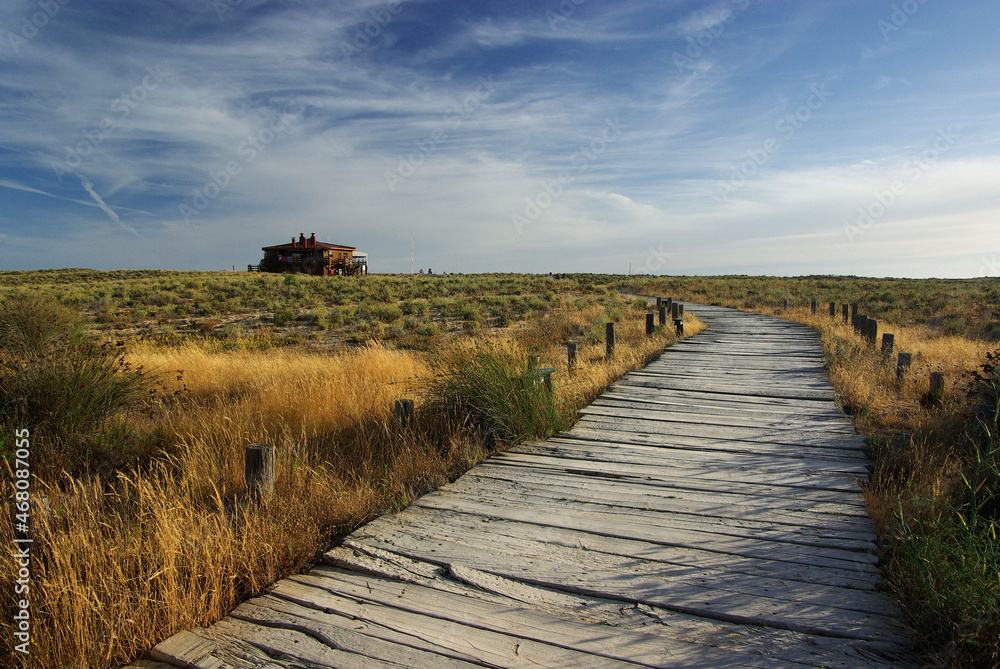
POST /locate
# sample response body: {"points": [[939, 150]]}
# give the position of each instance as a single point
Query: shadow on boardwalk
{"points": [[704, 512]]}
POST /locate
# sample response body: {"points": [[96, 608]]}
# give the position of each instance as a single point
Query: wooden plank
{"points": [[748, 640], [842, 559], [434, 524], [504, 636]]}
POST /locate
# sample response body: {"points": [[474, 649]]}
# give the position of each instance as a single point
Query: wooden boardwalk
{"points": [[704, 512]]}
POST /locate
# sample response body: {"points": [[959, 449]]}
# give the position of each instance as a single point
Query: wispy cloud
{"points": [[89, 187]]}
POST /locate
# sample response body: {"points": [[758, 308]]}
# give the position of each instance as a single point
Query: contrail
{"points": [[89, 187]]}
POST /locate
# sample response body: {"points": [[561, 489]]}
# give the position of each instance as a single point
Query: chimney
{"points": [[302, 239], [312, 239], [293, 241]]}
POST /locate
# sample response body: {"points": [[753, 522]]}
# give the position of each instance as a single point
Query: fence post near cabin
{"points": [[833, 310], [609, 336], [846, 313], [936, 394], [663, 314], [675, 308], [650, 324], [402, 414], [259, 471], [814, 307], [903, 366], [570, 354], [888, 341]]}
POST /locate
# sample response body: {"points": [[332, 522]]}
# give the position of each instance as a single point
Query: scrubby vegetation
{"points": [[141, 522], [142, 471]]}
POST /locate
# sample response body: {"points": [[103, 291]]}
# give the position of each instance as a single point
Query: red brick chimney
{"points": [[302, 239], [312, 239]]}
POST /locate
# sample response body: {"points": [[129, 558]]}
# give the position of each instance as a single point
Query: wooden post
{"points": [[402, 413], [833, 310], [669, 304], [663, 314], [680, 310], [679, 326], [659, 302], [785, 304], [872, 331], [814, 307], [259, 471], [888, 341], [936, 395], [854, 308], [650, 324], [846, 314], [903, 366], [609, 337], [676, 307], [570, 354]]}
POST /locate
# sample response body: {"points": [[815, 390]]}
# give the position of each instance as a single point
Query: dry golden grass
{"points": [[923, 476], [121, 565]]}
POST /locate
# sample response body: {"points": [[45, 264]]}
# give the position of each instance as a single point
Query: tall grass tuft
{"points": [[493, 385], [63, 385]]}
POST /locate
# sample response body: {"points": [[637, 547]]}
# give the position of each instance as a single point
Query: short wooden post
{"points": [[846, 313], [676, 308], [650, 324], [609, 337], [785, 304], [937, 388], [903, 366], [669, 304], [659, 302], [570, 354], [680, 310], [833, 310], [679, 326], [814, 307], [402, 413], [872, 331], [259, 471], [888, 341], [663, 314], [854, 308]]}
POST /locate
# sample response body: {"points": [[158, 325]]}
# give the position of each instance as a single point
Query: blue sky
{"points": [[738, 136]]}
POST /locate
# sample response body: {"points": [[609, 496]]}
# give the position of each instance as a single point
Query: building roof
{"points": [[299, 247]]}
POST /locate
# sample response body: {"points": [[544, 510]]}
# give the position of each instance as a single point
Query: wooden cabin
{"points": [[308, 256]]}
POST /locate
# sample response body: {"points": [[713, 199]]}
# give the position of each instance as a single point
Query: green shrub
{"points": [[61, 386], [494, 389], [283, 316]]}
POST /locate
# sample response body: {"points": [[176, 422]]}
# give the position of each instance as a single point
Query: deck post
{"points": [[402, 414], [259, 471], [659, 302], [785, 305], [814, 307], [663, 314], [570, 354], [872, 331], [833, 310], [937, 389], [846, 314], [680, 310], [903, 366], [650, 324], [888, 341], [609, 337]]}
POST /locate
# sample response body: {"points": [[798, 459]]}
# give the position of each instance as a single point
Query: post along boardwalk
{"points": [[704, 512]]}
